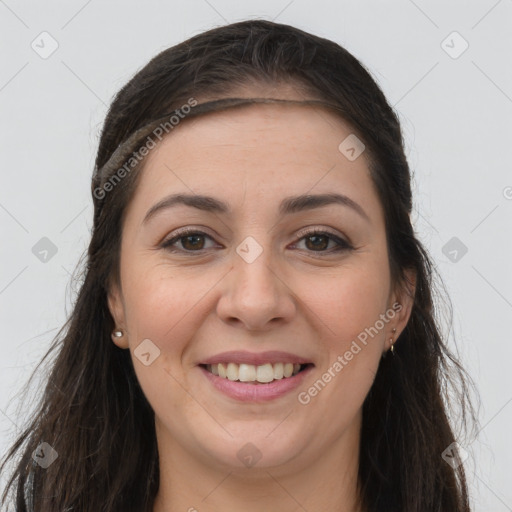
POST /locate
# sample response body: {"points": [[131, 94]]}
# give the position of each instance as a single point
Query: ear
{"points": [[402, 301], [116, 308]]}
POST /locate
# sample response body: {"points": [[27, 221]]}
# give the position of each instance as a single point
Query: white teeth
{"points": [[278, 371], [232, 371], [246, 373], [250, 373], [265, 373], [221, 369]]}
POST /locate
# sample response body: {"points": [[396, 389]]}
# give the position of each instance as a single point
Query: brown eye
{"points": [[323, 242], [190, 241], [315, 241], [318, 242]]}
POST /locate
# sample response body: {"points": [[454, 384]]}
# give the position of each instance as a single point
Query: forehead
{"points": [[275, 129], [258, 152]]}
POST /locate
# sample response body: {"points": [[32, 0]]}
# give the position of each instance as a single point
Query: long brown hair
{"points": [[93, 412]]}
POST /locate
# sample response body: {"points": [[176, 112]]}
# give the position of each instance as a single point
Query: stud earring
{"points": [[118, 333]]}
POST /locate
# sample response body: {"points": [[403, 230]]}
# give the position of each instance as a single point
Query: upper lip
{"points": [[260, 358]]}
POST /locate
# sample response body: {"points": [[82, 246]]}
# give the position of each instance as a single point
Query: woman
{"points": [[255, 330]]}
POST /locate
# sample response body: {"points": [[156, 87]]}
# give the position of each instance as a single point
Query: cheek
{"points": [[166, 309], [348, 305], [347, 301], [166, 306], [159, 302]]}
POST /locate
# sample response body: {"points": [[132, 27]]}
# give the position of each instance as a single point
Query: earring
{"points": [[118, 333], [392, 348]]}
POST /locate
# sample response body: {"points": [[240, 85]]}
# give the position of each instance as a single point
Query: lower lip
{"points": [[247, 392]]}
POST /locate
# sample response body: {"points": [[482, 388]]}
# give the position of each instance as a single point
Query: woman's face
{"points": [[252, 279]]}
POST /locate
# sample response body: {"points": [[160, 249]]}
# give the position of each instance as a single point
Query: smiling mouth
{"points": [[252, 374]]}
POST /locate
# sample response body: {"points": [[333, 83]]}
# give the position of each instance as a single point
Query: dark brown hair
{"points": [[93, 411]]}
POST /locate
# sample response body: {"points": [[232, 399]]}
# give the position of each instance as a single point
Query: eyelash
{"points": [[343, 245]]}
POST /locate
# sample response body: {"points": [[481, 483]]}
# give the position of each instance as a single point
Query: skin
{"points": [[291, 298]]}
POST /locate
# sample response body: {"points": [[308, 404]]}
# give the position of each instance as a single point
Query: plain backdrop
{"points": [[445, 66]]}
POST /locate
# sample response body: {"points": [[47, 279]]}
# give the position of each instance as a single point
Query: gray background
{"points": [[455, 110]]}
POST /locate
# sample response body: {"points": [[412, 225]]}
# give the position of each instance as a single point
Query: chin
{"points": [[256, 449]]}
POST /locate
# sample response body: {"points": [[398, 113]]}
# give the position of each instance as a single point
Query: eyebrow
{"points": [[287, 206]]}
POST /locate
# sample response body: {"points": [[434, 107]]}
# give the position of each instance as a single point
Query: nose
{"points": [[255, 296]]}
